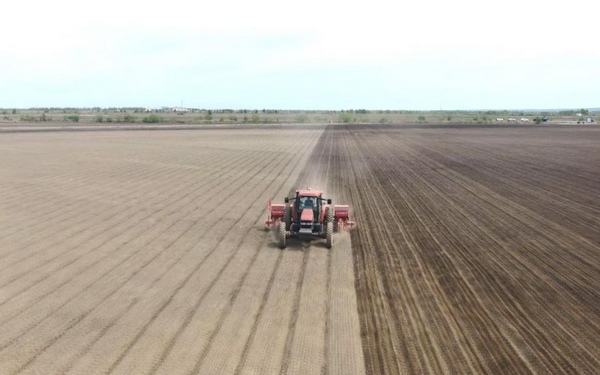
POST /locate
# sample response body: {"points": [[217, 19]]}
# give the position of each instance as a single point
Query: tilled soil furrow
{"points": [[345, 352], [259, 311], [151, 221], [542, 335], [224, 345], [225, 355], [478, 273], [476, 250], [172, 203], [83, 327], [421, 235], [421, 330], [87, 181], [128, 194], [191, 339], [290, 332], [266, 348], [484, 278], [385, 349], [38, 237], [521, 185], [307, 348], [59, 213]]}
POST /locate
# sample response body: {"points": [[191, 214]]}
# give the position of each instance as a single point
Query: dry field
{"points": [[477, 250], [145, 252]]}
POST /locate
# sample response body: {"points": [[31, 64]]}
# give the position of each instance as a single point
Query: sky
{"points": [[425, 55]]}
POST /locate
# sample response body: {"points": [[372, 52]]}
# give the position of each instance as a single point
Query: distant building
{"points": [[523, 119], [499, 119], [589, 119], [512, 119]]}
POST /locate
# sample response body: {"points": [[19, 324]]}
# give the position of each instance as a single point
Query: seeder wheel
{"points": [[329, 235]]}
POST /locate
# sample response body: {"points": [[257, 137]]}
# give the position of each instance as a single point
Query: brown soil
{"points": [[477, 250], [145, 252]]}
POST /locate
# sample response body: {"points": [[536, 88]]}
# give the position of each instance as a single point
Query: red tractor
{"points": [[308, 214]]}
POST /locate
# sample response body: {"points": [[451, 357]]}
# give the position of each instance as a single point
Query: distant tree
{"points": [[152, 119], [28, 118], [345, 117], [584, 111], [301, 118], [422, 119], [14, 111], [98, 119], [128, 118]]}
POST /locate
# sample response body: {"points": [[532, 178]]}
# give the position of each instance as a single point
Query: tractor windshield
{"points": [[307, 202]]}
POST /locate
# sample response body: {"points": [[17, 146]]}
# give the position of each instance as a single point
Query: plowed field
{"points": [[477, 250], [145, 252]]}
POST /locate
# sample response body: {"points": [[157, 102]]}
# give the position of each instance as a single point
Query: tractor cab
{"points": [[307, 211], [307, 202], [304, 206]]}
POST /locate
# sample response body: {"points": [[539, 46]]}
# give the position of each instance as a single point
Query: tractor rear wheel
{"points": [[329, 235], [287, 217], [330, 214], [281, 234]]}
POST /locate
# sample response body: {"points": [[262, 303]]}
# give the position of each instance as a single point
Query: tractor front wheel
{"points": [[281, 234], [329, 235]]}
